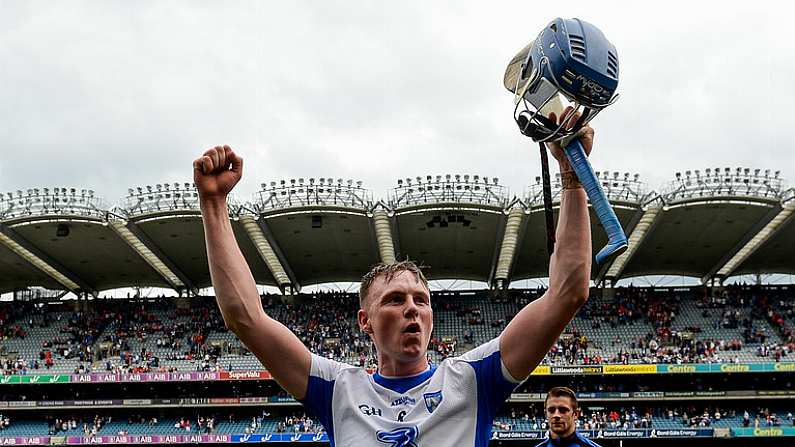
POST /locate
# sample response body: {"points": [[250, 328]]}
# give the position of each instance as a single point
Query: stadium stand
{"points": [[734, 325], [637, 326]]}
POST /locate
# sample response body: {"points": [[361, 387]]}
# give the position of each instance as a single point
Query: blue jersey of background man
{"points": [[575, 440]]}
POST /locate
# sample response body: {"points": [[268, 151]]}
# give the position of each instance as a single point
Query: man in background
{"points": [[562, 410]]}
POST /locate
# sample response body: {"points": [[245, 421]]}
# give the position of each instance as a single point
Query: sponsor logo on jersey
{"points": [[404, 400], [369, 411]]}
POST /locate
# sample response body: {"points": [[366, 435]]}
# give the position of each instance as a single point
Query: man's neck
{"points": [[554, 435], [393, 368]]}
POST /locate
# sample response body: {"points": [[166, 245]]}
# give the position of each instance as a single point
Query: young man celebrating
{"points": [[562, 411], [407, 403]]}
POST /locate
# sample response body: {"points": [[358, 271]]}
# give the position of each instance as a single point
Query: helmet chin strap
{"points": [[550, 224]]}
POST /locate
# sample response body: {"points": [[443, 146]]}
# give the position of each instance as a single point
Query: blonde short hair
{"points": [[388, 271]]}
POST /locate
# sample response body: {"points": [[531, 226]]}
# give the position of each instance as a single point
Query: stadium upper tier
{"points": [[637, 326], [298, 232]]}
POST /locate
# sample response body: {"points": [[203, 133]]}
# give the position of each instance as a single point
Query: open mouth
{"points": [[413, 328]]}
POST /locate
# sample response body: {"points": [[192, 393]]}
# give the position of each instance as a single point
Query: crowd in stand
{"points": [[136, 337], [298, 424], [325, 323], [740, 308], [202, 425], [87, 426], [10, 314]]}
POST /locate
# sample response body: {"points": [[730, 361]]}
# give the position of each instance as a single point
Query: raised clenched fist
{"points": [[217, 172]]}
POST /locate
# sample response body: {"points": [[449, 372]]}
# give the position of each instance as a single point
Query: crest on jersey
{"points": [[433, 400]]}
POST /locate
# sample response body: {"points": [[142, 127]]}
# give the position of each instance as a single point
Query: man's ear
{"points": [[364, 321]]}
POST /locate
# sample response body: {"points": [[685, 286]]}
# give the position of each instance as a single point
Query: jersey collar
{"points": [[403, 384], [573, 439]]}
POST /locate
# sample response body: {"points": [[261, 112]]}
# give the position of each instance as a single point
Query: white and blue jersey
{"points": [[453, 404]]}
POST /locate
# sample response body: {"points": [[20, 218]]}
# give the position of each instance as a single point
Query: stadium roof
{"points": [[297, 233]]}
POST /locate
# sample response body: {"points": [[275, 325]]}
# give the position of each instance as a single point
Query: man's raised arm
{"points": [[530, 335], [287, 359]]}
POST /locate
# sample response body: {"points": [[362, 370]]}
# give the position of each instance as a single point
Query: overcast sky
{"points": [[108, 95]]}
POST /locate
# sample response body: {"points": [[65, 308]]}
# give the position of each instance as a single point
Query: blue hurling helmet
{"points": [[570, 63]]}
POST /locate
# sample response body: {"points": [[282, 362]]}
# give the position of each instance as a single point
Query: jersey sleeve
{"points": [[320, 389], [494, 383]]}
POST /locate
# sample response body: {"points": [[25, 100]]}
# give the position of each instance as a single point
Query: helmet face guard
{"points": [[570, 64]]}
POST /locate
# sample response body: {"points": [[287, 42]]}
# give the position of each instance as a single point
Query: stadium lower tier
{"points": [[517, 422]]}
